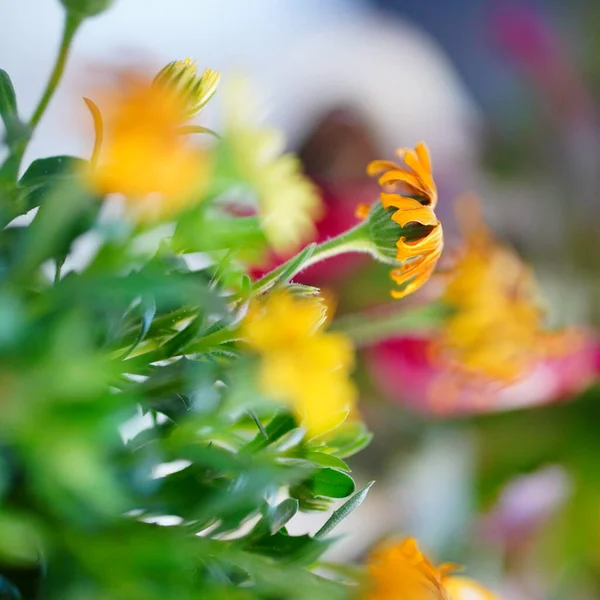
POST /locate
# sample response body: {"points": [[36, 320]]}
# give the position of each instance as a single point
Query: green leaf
{"points": [[8, 99], [68, 212], [296, 264], [326, 460], [17, 132], [260, 426], [277, 427], [282, 513], [301, 550], [331, 483], [343, 511], [148, 310], [44, 174], [346, 440], [288, 270]]}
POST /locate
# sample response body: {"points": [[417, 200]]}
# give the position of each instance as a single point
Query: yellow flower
{"points": [[301, 365], [140, 151], [410, 189], [288, 202], [402, 571], [496, 329], [181, 77]]}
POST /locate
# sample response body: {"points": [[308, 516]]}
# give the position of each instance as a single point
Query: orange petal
{"points": [[396, 175], [419, 214], [432, 243], [362, 211], [424, 174], [423, 154], [400, 202], [377, 167]]}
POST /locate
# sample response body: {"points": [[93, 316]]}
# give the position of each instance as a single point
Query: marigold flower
{"points": [[410, 190], [402, 571], [140, 150], [492, 351], [301, 365], [288, 202], [496, 329]]}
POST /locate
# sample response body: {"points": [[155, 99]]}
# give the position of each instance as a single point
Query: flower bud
{"points": [[195, 90]]}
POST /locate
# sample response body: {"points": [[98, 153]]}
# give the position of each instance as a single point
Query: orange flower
{"points": [[410, 189], [497, 329], [403, 571], [140, 150]]}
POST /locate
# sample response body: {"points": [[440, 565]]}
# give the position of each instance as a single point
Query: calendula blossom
{"points": [[301, 365], [409, 189], [140, 150], [491, 351], [401, 572], [288, 203], [496, 329]]}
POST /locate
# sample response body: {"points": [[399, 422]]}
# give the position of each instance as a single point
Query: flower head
{"points": [[402, 571], [496, 329], [140, 150], [408, 198], [288, 203], [492, 350], [195, 90], [301, 365]]}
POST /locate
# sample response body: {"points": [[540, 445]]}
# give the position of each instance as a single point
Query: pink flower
{"points": [[406, 370]]}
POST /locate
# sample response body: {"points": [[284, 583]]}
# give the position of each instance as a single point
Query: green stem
{"points": [[71, 25], [353, 240], [367, 329]]}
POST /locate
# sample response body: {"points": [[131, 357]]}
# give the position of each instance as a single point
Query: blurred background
{"points": [[507, 97]]}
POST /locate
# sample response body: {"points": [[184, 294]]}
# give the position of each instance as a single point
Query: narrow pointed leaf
{"points": [[343, 511]]}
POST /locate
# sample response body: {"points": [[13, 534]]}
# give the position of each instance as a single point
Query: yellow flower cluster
{"points": [[402, 571], [288, 202], [410, 189], [301, 365], [496, 329]]}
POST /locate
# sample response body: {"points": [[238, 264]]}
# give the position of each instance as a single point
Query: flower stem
{"points": [[353, 240], [370, 328], [71, 25]]}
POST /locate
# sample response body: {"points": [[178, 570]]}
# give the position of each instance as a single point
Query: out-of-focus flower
{"points": [[492, 352], [496, 328], [409, 198], [525, 505], [288, 202], [526, 35], [402, 571], [301, 365], [140, 150], [195, 90]]}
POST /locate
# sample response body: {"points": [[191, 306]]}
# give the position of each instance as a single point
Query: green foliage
{"points": [[196, 502]]}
